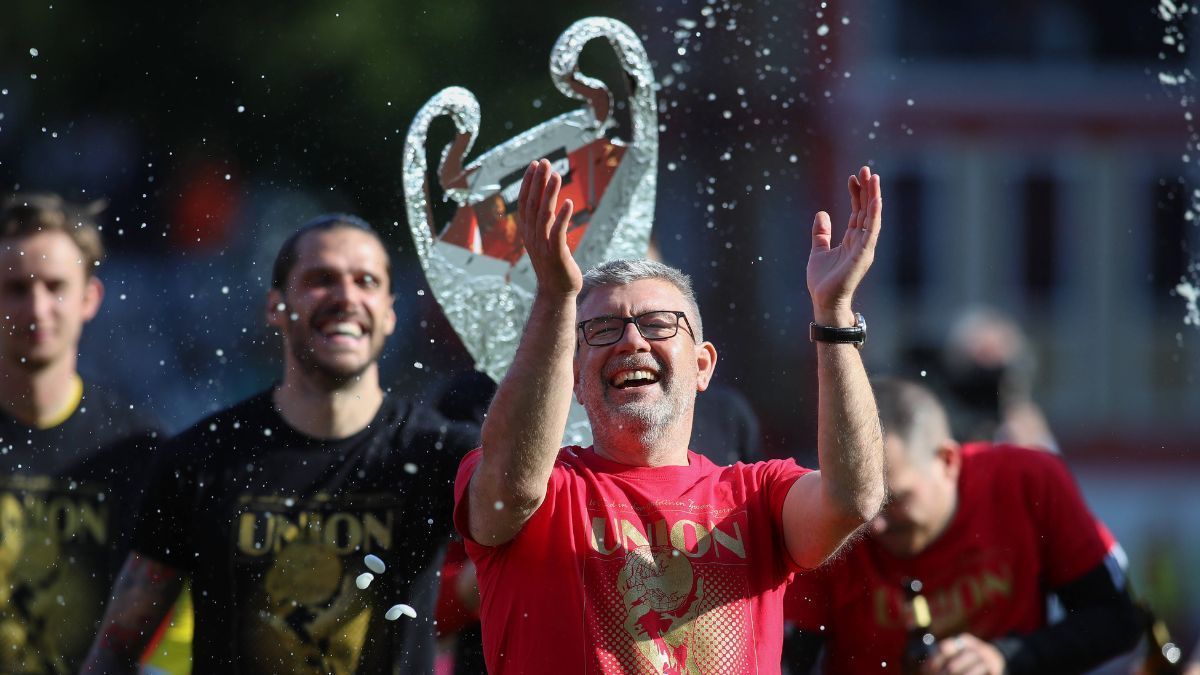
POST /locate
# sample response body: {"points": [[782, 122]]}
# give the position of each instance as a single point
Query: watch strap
{"points": [[855, 335]]}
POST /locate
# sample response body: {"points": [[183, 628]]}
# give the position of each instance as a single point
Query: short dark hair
{"points": [[286, 259], [911, 413], [24, 215]]}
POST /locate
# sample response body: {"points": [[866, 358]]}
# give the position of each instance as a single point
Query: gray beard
{"points": [[648, 422]]}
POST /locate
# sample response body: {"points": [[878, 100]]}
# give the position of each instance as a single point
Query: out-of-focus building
{"points": [[1037, 162]]}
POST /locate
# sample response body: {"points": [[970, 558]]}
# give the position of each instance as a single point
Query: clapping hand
{"points": [[834, 272], [543, 226]]}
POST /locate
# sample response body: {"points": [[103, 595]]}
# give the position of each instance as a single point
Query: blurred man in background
{"points": [[985, 532], [989, 369], [270, 506], [72, 453]]}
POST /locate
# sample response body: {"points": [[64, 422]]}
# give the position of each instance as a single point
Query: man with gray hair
{"points": [[637, 554]]}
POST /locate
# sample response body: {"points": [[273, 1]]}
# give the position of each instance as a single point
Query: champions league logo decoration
{"points": [[476, 264]]}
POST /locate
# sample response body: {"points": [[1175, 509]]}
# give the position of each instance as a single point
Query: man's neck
{"points": [[638, 448], [320, 412], [39, 398]]}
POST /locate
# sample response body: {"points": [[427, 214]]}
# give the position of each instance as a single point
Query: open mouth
{"points": [[342, 330], [629, 379]]}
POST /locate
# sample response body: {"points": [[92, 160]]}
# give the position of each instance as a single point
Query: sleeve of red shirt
{"points": [[1073, 541], [462, 512], [778, 476]]}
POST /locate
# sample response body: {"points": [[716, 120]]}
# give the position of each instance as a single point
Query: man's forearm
{"points": [[524, 426], [849, 442], [1101, 622]]}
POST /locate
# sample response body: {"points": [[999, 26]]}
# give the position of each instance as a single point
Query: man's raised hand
{"points": [[543, 226], [834, 272]]}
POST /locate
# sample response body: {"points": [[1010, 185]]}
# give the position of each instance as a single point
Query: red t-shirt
{"points": [[1021, 527], [624, 569]]}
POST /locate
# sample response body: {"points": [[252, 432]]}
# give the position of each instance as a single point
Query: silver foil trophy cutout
{"points": [[476, 264]]}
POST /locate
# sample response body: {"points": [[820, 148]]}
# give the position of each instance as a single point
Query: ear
{"points": [[389, 316], [276, 317], [706, 363], [93, 296], [949, 459]]}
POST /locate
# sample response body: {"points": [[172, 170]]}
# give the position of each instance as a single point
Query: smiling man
{"points": [[72, 453], [270, 506], [637, 554]]}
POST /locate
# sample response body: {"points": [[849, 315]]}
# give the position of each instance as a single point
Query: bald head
{"points": [[911, 414]]}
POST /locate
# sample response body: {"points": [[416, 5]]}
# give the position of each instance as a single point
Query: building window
{"points": [[909, 220], [1040, 225], [1032, 30]]}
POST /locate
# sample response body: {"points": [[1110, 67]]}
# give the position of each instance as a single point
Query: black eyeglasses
{"points": [[658, 325]]}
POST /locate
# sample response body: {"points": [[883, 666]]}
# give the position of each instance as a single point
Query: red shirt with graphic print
{"points": [[672, 569], [1020, 528]]}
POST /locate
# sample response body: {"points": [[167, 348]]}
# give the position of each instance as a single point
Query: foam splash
{"points": [[1191, 295], [400, 610], [374, 564], [1182, 85]]}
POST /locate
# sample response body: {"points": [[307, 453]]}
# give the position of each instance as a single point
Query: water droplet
{"points": [[823, 30], [402, 609]]}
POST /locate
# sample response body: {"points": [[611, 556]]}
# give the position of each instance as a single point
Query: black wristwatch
{"points": [[854, 335]]}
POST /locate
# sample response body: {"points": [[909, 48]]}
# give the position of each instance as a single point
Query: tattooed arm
{"points": [[144, 593]]}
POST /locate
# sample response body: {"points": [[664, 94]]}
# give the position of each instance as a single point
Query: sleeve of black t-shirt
{"points": [[165, 517], [1101, 622]]}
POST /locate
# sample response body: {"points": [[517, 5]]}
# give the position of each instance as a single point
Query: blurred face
{"points": [[46, 295], [922, 498], [336, 309], [636, 383]]}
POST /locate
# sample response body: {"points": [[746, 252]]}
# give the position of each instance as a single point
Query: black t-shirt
{"points": [[273, 526], [68, 498]]}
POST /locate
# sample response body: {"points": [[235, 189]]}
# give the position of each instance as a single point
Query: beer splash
{"points": [[363, 581], [1174, 17]]}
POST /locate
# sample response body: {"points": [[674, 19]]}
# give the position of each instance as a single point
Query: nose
{"points": [[632, 340], [343, 290], [39, 301]]}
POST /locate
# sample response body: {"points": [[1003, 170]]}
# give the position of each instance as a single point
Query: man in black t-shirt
{"points": [[70, 453], [270, 506]]}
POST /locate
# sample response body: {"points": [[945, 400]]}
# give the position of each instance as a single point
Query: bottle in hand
{"points": [[919, 645]]}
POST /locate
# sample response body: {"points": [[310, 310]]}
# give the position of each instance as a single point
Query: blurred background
{"points": [[1037, 161]]}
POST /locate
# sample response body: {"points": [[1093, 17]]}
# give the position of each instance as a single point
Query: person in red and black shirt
{"points": [[989, 530]]}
